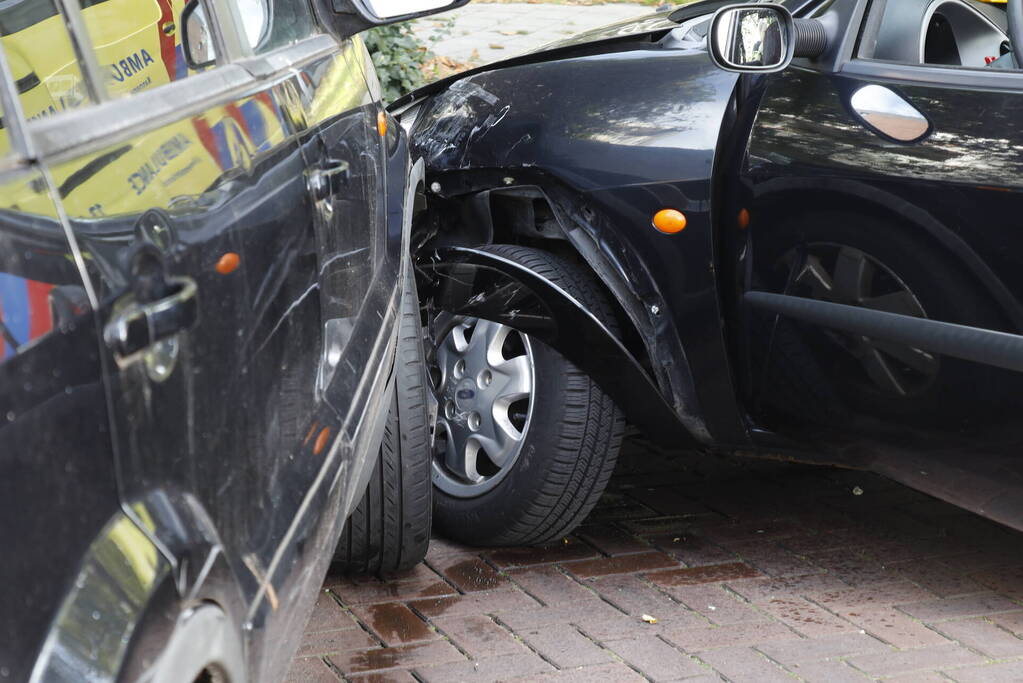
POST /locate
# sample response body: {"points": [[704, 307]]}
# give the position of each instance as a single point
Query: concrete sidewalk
{"points": [[482, 32]]}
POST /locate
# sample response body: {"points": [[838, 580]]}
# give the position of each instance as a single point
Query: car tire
{"points": [[568, 447], [389, 531], [911, 267]]}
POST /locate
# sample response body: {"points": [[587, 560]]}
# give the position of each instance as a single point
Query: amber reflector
{"points": [[382, 124], [228, 263], [743, 219], [321, 441], [670, 221]]}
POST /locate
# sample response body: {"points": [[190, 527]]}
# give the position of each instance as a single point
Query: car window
{"points": [[42, 61], [272, 24], [947, 33]]}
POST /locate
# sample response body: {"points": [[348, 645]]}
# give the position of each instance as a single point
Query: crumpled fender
{"points": [[483, 285]]}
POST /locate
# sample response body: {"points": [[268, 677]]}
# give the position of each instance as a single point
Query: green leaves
{"points": [[399, 57]]}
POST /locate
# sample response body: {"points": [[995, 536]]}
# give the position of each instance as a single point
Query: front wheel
{"points": [[525, 441]]}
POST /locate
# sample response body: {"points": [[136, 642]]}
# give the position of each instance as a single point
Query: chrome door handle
{"points": [[328, 179], [886, 113], [135, 327]]}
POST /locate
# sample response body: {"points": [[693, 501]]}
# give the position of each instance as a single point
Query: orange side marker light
{"points": [[743, 219], [228, 263], [321, 441], [382, 124], [670, 221]]}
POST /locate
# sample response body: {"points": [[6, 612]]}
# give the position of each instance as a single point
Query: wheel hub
{"points": [[483, 382]]}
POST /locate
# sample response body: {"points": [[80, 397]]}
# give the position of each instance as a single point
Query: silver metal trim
{"points": [[13, 115], [885, 111], [84, 131], [81, 44]]}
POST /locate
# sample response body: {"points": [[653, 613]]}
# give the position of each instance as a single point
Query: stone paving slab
{"points": [[480, 33], [754, 571]]}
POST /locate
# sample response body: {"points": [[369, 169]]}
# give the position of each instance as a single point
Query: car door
{"points": [[186, 190], [57, 480], [886, 177]]}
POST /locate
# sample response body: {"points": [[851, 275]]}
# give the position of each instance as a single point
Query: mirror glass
{"points": [[253, 14], [751, 37], [385, 9], [887, 113], [199, 37]]}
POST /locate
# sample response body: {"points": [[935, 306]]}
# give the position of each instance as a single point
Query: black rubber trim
{"points": [[989, 347]]}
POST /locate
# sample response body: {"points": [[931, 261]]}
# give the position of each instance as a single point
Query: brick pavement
{"points": [[754, 571]]}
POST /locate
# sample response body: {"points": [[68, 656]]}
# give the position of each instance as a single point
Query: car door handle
{"points": [[135, 327], [328, 179]]}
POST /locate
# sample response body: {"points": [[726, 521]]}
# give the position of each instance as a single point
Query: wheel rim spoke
{"points": [[816, 276], [853, 273], [917, 359], [513, 379], [901, 302], [880, 370]]}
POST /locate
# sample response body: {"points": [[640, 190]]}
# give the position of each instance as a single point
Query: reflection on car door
{"points": [[922, 228]]}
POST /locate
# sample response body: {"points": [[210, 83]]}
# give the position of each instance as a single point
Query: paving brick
{"points": [[877, 596], [1010, 621], [384, 677], [549, 554], [655, 658], [828, 647], [636, 597], [907, 661], [894, 627], [855, 568], [550, 585], [772, 559], [404, 657], [568, 614], [744, 664], [806, 618], [955, 608], [612, 540], [751, 530], [490, 669], [919, 677], [733, 635], [622, 564], [486, 602], [832, 671], [658, 526], [328, 615], [394, 623], [564, 646], [938, 578], [479, 636], [367, 593], [761, 589], [667, 501], [614, 672], [716, 603], [326, 642], [1007, 580], [692, 550], [983, 636], [469, 574], [310, 670], [714, 573], [1005, 672]]}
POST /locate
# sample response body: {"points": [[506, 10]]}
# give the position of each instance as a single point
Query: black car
{"points": [[210, 353], [785, 230]]}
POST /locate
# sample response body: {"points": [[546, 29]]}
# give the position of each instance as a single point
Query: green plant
{"points": [[399, 57]]}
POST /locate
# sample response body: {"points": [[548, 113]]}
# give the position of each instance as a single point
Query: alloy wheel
{"points": [[483, 379], [845, 275]]}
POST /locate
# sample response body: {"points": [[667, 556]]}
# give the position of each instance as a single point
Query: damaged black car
{"points": [[784, 230]]}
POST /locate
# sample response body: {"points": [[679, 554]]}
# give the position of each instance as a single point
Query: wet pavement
{"points": [[699, 568]]}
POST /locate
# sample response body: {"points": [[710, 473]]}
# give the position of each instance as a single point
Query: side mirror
{"points": [[197, 41], [353, 16], [762, 38]]}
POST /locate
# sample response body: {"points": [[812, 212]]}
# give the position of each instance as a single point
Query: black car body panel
{"points": [[604, 130]]}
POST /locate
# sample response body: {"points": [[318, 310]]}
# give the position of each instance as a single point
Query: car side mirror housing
{"points": [[762, 38], [197, 41], [353, 16]]}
